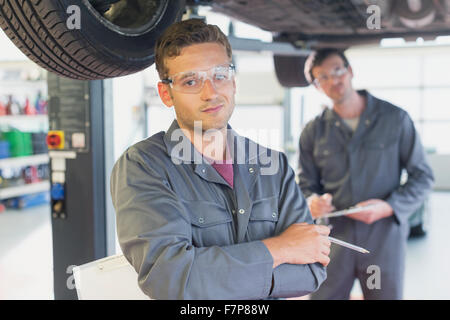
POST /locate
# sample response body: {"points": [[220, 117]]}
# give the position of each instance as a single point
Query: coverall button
{"points": [[203, 170], [241, 211], [251, 170], [201, 220], [274, 214]]}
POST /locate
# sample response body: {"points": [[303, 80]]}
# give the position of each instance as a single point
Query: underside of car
{"points": [[98, 39], [340, 23]]}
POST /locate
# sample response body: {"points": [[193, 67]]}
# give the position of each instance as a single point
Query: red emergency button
{"points": [[55, 139]]}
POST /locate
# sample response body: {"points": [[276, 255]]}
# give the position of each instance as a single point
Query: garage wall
{"points": [[414, 78], [440, 163], [129, 112]]}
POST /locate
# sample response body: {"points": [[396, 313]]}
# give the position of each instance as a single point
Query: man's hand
{"points": [[300, 243], [320, 205], [379, 209]]}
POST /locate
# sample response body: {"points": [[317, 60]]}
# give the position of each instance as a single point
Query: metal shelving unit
{"points": [[17, 84], [23, 118]]}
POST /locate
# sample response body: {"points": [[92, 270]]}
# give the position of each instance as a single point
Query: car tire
{"points": [[95, 49], [290, 70], [403, 10], [415, 18]]}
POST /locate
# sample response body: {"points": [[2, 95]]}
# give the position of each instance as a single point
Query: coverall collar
{"points": [[242, 150], [369, 112]]}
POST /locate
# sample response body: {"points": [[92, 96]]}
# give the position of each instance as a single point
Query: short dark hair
{"points": [[316, 58], [183, 34]]}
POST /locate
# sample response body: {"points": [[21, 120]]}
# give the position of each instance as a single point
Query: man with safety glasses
{"points": [[353, 155], [203, 213]]}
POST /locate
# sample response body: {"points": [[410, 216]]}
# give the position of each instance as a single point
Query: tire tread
{"points": [[36, 27]]}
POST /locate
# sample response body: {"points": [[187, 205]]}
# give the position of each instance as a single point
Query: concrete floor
{"points": [[427, 274], [26, 255], [26, 262], [428, 259]]}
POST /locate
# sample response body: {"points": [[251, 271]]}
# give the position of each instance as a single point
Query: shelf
{"points": [[23, 117], [28, 83], [11, 192], [33, 160]]}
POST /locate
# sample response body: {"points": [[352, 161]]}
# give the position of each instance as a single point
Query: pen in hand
{"points": [[348, 245]]}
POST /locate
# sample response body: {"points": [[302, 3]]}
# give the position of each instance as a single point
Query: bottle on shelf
{"points": [[12, 107], [40, 103], [2, 108], [29, 109], [4, 149]]}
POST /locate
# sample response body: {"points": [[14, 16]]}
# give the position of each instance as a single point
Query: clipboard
{"points": [[347, 211]]}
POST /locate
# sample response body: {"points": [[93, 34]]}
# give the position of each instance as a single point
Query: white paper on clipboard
{"points": [[110, 278], [347, 211]]}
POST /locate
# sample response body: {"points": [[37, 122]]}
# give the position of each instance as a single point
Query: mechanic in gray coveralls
{"points": [[203, 225], [353, 155]]}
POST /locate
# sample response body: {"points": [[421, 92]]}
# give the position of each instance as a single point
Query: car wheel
{"points": [[415, 14], [290, 70], [93, 39]]}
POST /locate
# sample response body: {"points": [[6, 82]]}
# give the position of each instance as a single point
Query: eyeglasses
{"points": [[336, 73], [193, 81]]}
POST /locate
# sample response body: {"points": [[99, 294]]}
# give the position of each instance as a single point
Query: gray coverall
{"points": [[358, 166], [190, 236]]}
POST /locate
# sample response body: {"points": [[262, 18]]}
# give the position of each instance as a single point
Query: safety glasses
{"points": [[334, 74], [193, 81]]}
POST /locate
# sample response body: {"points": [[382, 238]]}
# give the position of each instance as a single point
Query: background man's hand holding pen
{"points": [[376, 209]]}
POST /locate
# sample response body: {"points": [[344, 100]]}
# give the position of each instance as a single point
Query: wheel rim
{"points": [[131, 17]]}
